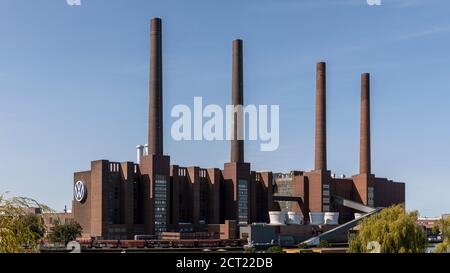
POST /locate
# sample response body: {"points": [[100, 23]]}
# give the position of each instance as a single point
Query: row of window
{"points": [[370, 197], [182, 172], [117, 230], [114, 167], [243, 201], [202, 173], [160, 202], [326, 197], [160, 207]]}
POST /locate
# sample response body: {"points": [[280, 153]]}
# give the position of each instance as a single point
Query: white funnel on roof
{"points": [[277, 217], [139, 153], [316, 218]]}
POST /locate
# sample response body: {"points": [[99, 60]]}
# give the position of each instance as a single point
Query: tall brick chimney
{"points": [[155, 114], [364, 160], [237, 145], [321, 125]]}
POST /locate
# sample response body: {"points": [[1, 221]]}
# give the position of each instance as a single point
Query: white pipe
{"points": [[139, 153]]}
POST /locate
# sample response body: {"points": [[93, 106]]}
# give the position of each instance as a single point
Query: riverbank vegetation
{"points": [[20, 230], [391, 231]]}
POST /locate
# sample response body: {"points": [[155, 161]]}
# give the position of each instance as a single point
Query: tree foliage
{"points": [[303, 245], [19, 230], [395, 230], [65, 232], [36, 224], [250, 250], [324, 244], [444, 228], [274, 249]]}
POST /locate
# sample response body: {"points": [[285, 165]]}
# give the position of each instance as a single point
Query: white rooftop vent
{"points": [[316, 218], [277, 217], [139, 153]]}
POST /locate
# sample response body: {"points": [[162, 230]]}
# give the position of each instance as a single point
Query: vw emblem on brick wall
{"points": [[79, 191]]}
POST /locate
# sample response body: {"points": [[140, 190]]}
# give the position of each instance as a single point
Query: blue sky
{"points": [[73, 85]]}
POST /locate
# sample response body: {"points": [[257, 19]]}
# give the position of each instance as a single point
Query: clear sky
{"points": [[74, 81]]}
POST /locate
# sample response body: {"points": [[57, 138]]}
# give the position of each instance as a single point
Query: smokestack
{"points": [[139, 153], [364, 159], [237, 142], [155, 115], [321, 125]]}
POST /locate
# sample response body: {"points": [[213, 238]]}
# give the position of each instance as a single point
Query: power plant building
{"points": [[119, 200]]}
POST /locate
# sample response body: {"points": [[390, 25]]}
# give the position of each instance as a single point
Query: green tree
{"points": [[324, 244], [250, 250], [395, 230], [435, 230], [36, 224], [274, 249], [19, 231], [444, 228], [65, 232]]}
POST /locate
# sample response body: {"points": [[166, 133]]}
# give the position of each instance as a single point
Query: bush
{"points": [[250, 250], [443, 247], [303, 245], [324, 244], [274, 249], [444, 228]]}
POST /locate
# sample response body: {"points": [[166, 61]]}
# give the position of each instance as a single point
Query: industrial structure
{"points": [[116, 200]]}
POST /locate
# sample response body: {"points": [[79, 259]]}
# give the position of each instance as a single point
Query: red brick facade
{"points": [[121, 200]]}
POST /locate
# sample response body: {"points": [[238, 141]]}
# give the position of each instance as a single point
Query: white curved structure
{"points": [[331, 218], [293, 218], [277, 217], [316, 218], [359, 215], [139, 153]]}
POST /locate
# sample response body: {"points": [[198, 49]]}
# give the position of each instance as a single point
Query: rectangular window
{"points": [[160, 207], [243, 201], [326, 197], [370, 197]]}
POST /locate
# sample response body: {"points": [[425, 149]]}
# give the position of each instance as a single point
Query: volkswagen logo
{"points": [[79, 191]]}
